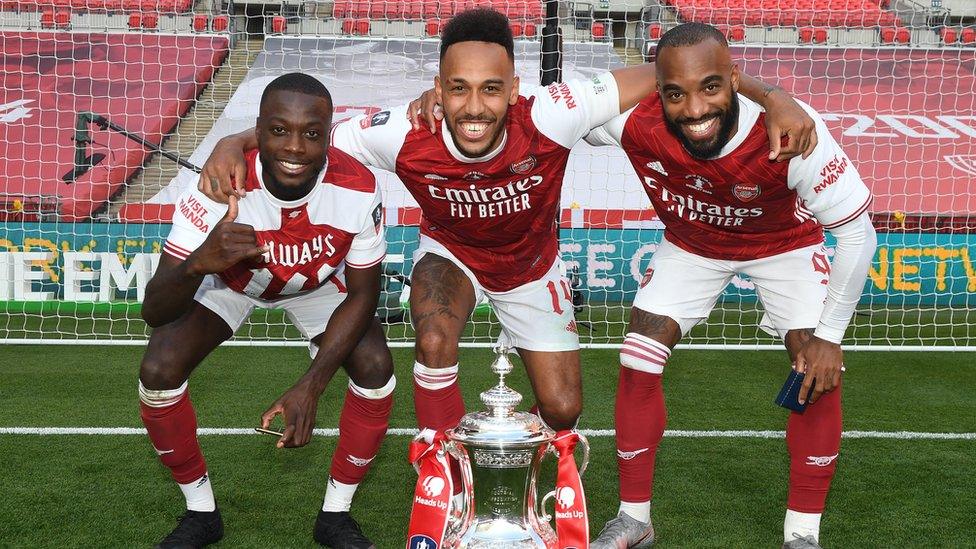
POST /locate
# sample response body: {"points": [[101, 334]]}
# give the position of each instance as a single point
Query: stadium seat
{"points": [[278, 24], [517, 29], [341, 8], [220, 23], [362, 27], [888, 34], [433, 27], [820, 35], [47, 19], [199, 22], [968, 35], [948, 35], [806, 35], [654, 31], [150, 20], [531, 30], [598, 31], [737, 33], [348, 25], [903, 36], [135, 20], [62, 19]]}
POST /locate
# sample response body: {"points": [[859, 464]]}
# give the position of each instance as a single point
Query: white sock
{"points": [[640, 511], [801, 524], [338, 496], [199, 495]]}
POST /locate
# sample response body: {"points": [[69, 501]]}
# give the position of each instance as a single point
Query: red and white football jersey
{"points": [[740, 205], [338, 223], [497, 214]]}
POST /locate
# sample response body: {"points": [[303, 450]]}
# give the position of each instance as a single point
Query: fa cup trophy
{"points": [[500, 451]]}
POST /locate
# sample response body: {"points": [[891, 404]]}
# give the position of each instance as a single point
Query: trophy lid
{"points": [[500, 423]]}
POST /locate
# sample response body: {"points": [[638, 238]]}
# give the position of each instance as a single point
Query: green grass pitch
{"points": [[110, 491]]}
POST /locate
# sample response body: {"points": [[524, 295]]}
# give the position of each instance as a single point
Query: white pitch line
{"points": [[596, 433]]}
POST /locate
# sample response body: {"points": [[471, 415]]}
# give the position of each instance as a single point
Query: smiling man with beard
{"points": [[699, 149], [307, 240]]}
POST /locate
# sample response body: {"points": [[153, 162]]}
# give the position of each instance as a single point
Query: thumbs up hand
{"points": [[228, 244]]}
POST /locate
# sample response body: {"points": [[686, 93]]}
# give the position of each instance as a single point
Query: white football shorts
{"points": [[791, 286], [309, 312], [536, 316]]}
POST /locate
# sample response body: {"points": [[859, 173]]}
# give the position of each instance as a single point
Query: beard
{"points": [[492, 141], [707, 149]]}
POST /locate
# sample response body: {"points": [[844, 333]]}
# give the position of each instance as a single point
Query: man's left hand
{"points": [[786, 118], [821, 362], [298, 406]]}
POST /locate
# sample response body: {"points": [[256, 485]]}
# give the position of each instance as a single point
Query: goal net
{"points": [[84, 209]]}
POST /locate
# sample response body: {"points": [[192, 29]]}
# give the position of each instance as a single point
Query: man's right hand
{"points": [[425, 111], [228, 244], [224, 173]]}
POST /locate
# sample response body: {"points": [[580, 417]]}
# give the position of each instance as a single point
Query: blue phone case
{"points": [[790, 393]]}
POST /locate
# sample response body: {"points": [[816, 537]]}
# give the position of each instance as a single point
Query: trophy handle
{"points": [[585, 444], [459, 519]]}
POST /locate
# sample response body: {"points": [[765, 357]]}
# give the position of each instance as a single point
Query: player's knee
{"points": [[375, 370], [161, 370], [562, 413], [435, 349]]}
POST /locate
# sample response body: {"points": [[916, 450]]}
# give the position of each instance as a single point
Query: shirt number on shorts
{"points": [[554, 294]]}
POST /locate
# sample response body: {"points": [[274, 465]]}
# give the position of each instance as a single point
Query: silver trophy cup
{"points": [[500, 451]]}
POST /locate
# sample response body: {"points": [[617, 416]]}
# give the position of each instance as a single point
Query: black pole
{"points": [[106, 123], [552, 45]]}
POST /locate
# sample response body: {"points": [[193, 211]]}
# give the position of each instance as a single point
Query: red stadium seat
{"points": [[949, 35], [820, 35], [968, 35], [135, 20], [433, 27], [888, 34], [199, 22], [348, 25], [531, 31], [47, 19], [362, 27], [62, 19], [517, 29], [737, 33], [654, 31], [220, 23], [806, 35], [903, 36], [598, 31], [278, 24], [341, 8], [150, 20]]}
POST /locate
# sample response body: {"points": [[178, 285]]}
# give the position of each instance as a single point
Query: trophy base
{"points": [[505, 533]]}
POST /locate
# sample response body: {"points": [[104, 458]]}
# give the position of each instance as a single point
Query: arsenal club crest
{"points": [[524, 166], [746, 192]]}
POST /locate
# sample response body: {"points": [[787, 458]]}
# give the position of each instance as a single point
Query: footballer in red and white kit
{"points": [[307, 239], [699, 149]]}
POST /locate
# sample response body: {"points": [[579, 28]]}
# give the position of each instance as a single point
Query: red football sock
{"points": [[438, 404], [640, 417], [172, 425], [813, 440], [362, 425]]}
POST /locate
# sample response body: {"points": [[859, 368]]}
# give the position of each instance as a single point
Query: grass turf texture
{"points": [[110, 491]]}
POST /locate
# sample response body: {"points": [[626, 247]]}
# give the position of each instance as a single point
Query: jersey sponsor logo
{"points": [[821, 461], [377, 119], [487, 202], [435, 177], [693, 209], [308, 251], [598, 86], [524, 166], [562, 92], [629, 455], [699, 183], [195, 213], [746, 192], [656, 166], [831, 172]]}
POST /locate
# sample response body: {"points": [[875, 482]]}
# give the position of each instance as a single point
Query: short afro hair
{"points": [[690, 34], [478, 25], [297, 82]]}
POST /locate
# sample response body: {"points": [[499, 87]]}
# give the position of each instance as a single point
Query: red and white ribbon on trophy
{"points": [[572, 526], [432, 496]]}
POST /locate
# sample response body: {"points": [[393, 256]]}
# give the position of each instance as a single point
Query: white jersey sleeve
{"points": [[373, 139], [369, 245], [611, 133], [193, 219], [565, 112], [827, 181]]}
